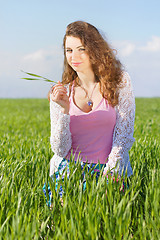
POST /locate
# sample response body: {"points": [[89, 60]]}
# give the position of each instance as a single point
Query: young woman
{"points": [[94, 119]]}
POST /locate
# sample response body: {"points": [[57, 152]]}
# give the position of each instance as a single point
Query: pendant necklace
{"points": [[89, 102]]}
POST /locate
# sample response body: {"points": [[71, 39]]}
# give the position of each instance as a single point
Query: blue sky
{"points": [[32, 34]]}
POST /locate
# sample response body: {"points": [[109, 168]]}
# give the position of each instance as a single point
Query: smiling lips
{"points": [[76, 64]]}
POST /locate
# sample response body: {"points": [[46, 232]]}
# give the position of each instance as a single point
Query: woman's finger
{"points": [[56, 95], [59, 84], [59, 91]]}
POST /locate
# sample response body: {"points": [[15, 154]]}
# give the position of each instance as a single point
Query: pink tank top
{"points": [[92, 132]]}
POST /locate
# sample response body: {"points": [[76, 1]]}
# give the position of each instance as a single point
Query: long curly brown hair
{"points": [[107, 68]]}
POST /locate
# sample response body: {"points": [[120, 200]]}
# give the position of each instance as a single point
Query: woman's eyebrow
{"points": [[80, 46], [76, 47]]}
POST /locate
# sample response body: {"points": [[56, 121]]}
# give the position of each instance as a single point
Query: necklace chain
{"points": [[89, 102]]}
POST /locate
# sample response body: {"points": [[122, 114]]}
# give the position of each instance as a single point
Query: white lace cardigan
{"points": [[118, 160]]}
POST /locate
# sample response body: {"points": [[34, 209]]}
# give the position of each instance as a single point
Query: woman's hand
{"points": [[59, 95]]}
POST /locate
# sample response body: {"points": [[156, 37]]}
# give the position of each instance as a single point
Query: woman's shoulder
{"points": [[126, 92], [126, 80], [125, 84]]}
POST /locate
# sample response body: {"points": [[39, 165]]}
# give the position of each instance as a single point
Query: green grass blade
{"points": [[37, 77], [34, 79]]}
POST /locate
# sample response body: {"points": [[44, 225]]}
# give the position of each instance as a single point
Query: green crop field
{"points": [[91, 214]]}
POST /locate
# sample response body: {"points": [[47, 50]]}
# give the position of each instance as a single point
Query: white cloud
{"points": [[38, 55], [142, 61], [44, 61], [153, 45], [126, 48], [43, 54]]}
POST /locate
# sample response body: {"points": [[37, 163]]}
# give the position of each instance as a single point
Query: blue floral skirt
{"points": [[64, 168]]}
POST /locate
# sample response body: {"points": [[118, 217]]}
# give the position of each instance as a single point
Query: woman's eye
{"points": [[69, 50], [82, 49]]}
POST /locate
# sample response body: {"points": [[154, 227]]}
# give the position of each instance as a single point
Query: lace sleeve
{"points": [[60, 130], [123, 131]]}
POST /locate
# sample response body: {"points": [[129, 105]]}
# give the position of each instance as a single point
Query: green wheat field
{"points": [[91, 214]]}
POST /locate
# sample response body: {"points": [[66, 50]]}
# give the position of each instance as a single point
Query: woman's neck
{"points": [[87, 79]]}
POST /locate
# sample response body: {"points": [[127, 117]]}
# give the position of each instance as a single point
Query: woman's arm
{"points": [[118, 160], [60, 130]]}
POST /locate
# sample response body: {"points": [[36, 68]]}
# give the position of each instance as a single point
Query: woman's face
{"points": [[76, 54]]}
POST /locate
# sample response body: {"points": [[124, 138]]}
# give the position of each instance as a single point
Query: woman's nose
{"points": [[75, 55]]}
